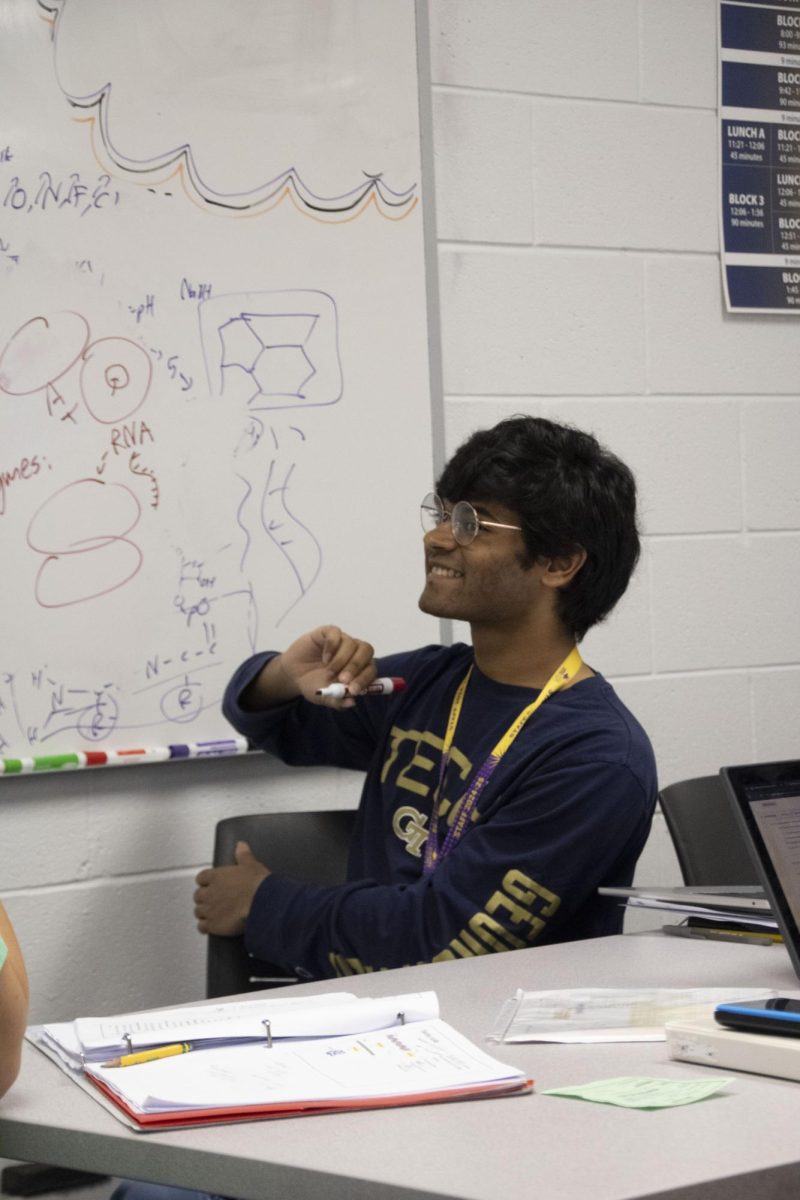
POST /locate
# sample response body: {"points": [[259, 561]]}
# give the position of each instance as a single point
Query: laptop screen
{"points": [[766, 800]]}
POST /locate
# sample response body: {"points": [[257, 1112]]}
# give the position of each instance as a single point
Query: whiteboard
{"points": [[215, 386]]}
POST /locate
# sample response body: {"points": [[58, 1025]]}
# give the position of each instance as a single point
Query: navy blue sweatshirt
{"points": [[567, 810]]}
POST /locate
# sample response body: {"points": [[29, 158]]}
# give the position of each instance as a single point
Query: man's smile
{"points": [[437, 571]]}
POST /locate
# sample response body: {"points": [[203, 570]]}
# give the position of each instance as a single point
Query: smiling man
{"points": [[507, 781]]}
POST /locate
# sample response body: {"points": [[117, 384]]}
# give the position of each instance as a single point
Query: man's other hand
{"points": [[224, 894]]}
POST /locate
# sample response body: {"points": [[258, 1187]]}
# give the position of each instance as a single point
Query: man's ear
{"points": [[558, 572]]}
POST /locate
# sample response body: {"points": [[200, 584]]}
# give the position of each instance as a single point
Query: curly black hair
{"points": [[569, 492]]}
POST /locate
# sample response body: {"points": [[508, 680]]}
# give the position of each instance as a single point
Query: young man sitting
{"points": [[507, 781]]}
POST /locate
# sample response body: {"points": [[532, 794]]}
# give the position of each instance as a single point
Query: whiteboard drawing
{"points": [[133, 72], [213, 346], [115, 379], [272, 349], [115, 373], [79, 531], [268, 510], [40, 352], [92, 713], [82, 533]]}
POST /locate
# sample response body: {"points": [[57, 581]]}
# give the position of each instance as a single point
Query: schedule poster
{"points": [[759, 113]]}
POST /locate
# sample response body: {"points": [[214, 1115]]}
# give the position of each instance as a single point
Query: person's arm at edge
{"points": [[314, 660], [270, 688], [13, 1005], [261, 686]]}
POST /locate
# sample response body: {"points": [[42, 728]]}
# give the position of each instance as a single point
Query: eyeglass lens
{"points": [[463, 518]]}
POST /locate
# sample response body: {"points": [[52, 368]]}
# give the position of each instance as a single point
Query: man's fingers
{"points": [[328, 639], [353, 658], [329, 655], [224, 895]]}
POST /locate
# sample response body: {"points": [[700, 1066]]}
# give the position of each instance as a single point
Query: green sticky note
{"points": [[641, 1091]]}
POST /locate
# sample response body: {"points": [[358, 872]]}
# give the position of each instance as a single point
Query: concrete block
{"points": [[725, 601], [696, 722], [85, 825], [682, 32], [587, 194], [482, 145], [776, 704], [585, 49], [172, 825], [771, 440], [45, 832], [694, 346], [101, 948], [685, 455], [530, 323], [621, 645], [463, 417]]}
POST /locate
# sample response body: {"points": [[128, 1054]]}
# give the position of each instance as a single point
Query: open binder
{"points": [[276, 1058]]}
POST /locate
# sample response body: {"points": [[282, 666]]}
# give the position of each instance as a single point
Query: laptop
{"points": [[766, 802], [742, 898]]}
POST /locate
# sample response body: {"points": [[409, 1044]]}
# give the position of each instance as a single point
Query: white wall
{"points": [[577, 196]]}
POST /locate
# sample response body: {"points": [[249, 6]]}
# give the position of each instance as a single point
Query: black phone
{"points": [[777, 1014]]}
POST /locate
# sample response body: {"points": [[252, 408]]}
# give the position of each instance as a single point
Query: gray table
{"points": [[742, 1143]]}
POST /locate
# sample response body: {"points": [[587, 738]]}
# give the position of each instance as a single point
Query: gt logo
{"points": [[409, 824]]}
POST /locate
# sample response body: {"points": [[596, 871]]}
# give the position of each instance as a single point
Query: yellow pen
{"points": [[143, 1056]]}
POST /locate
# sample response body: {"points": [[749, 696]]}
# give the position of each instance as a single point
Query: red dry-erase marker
{"points": [[378, 687]]}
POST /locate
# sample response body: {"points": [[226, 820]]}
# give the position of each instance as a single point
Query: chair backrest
{"points": [[705, 834], [310, 846]]}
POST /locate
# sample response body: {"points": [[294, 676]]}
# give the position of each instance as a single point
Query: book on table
{"points": [[262, 1058]]}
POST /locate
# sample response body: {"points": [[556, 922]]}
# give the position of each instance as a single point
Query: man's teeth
{"points": [[447, 572]]}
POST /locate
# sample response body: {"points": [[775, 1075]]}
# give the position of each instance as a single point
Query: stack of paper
{"points": [[264, 1057], [607, 1014], [91, 1040]]}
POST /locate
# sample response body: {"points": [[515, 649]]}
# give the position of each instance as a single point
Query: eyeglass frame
{"points": [[432, 502]]}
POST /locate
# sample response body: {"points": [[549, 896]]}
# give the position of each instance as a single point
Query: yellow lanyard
{"points": [[433, 855]]}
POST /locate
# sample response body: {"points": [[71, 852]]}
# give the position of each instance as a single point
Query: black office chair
{"points": [[704, 832], [310, 846]]}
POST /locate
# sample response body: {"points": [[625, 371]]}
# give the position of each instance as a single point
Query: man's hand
{"points": [[326, 655], [224, 894]]}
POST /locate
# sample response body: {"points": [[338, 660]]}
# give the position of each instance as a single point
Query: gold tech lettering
{"points": [[410, 825], [347, 966], [414, 757], [515, 900]]}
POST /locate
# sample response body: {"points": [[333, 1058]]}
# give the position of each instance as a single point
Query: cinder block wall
{"points": [[577, 198]]}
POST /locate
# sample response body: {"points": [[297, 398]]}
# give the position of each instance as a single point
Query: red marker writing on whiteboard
{"points": [[378, 687]]}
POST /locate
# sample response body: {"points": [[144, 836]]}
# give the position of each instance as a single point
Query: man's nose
{"points": [[441, 536]]}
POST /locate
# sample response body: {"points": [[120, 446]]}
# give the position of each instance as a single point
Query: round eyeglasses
{"points": [[464, 521]]}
